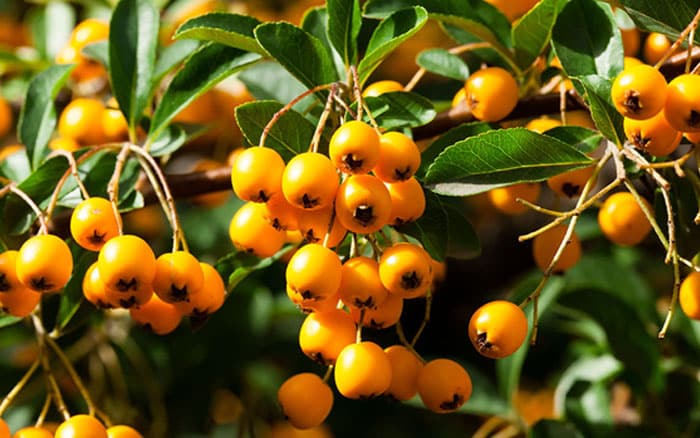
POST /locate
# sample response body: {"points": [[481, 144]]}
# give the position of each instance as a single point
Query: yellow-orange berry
{"points": [[81, 426], [250, 231], [156, 315], [407, 201], [545, 245], [324, 334], [380, 87], [354, 147], [93, 223], [492, 93], [178, 277], [306, 400], [622, 220], [310, 181], [363, 204], [689, 297], [405, 269], [444, 385], [362, 370], [44, 263], [405, 368], [682, 108], [498, 329], [256, 174], [399, 157], [639, 92], [505, 199], [653, 135]]}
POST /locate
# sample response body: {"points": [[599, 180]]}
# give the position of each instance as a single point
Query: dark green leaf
{"points": [[315, 22], [232, 30], [389, 34], [290, 135], [204, 69], [301, 53], [553, 429], [443, 63], [237, 266], [169, 141], [603, 112], [443, 230], [583, 139], [344, 22], [37, 119], [172, 57], [588, 405], [133, 39], [590, 46], [669, 18], [499, 158], [8, 320], [72, 296], [533, 32], [99, 51], [16, 166], [51, 27], [400, 109], [451, 137]]}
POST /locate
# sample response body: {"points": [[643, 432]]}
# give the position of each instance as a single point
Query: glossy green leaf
{"points": [[169, 141], [301, 53], [443, 63], [667, 17], [72, 295], [499, 158], [443, 230], [133, 39], [583, 139], [586, 369], [533, 32], [590, 46], [400, 109], [553, 429], [16, 166], [204, 69], [172, 57], [344, 22], [237, 266], [8, 320], [315, 22], [37, 119], [98, 51], [289, 136], [232, 30], [449, 138], [603, 112], [268, 80], [51, 26], [389, 34]]}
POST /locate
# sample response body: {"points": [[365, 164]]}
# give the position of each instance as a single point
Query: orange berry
{"points": [[363, 204], [156, 315], [655, 47], [6, 118], [306, 400], [93, 223], [313, 225], [15, 298], [81, 426], [32, 432], [250, 231], [362, 370], [399, 157], [281, 214], [114, 125], [89, 31], [354, 147], [44, 263], [314, 272], [4, 429], [622, 221], [444, 385], [256, 174], [85, 69], [460, 98], [405, 368], [653, 135], [310, 181], [210, 297], [178, 277], [629, 61], [407, 201], [689, 297], [505, 199], [80, 120], [405, 269], [631, 41], [383, 316], [380, 87], [542, 124], [639, 92], [94, 289], [545, 245], [122, 431], [513, 9], [360, 285], [324, 334], [498, 329], [127, 267], [682, 108], [570, 184], [492, 93], [64, 144]]}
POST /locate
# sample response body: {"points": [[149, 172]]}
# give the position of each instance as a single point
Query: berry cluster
{"points": [[77, 426]]}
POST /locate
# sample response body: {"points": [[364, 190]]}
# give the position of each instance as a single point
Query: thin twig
{"points": [[73, 168], [43, 227], [44, 411], [681, 37], [19, 386], [113, 185], [316, 139], [356, 89], [455, 51], [426, 318]]}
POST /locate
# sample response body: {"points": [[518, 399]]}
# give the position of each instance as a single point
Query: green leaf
{"points": [[533, 32], [508, 369], [51, 27], [237, 266], [72, 295], [315, 22], [16, 166], [270, 81], [290, 135], [171, 57], [449, 138], [553, 429], [389, 34], [583, 139], [204, 69], [586, 369], [232, 30], [669, 18], [37, 119], [605, 116], [588, 47], [499, 158], [170, 140], [344, 22], [443, 230], [8, 320], [133, 39], [301, 53], [443, 63], [400, 109], [99, 51]]}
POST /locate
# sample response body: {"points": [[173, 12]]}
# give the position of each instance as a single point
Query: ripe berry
{"points": [[306, 400], [88, 31], [81, 426], [492, 93], [383, 316], [622, 221], [256, 174], [360, 285], [323, 335], [6, 120], [313, 225], [545, 245], [689, 297], [127, 267], [156, 315], [363, 204], [44, 263], [542, 124], [122, 431], [4, 429], [178, 277], [505, 199], [114, 125], [405, 368], [31, 432], [354, 147], [250, 231], [655, 47], [571, 183], [682, 103], [314, 272], [310, 181], [380, 87], [210, 297], [399, 157], [639, 92], [81, 121], [497, 329], [444, 385], [93, 223], [362, 370], [281, 214], [15, 298], [94, 289], [405, 269], [654, 135], [407, 201]]}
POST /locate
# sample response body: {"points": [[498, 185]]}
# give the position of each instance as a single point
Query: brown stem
{"points": [[688, 29], [19, 386]]}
